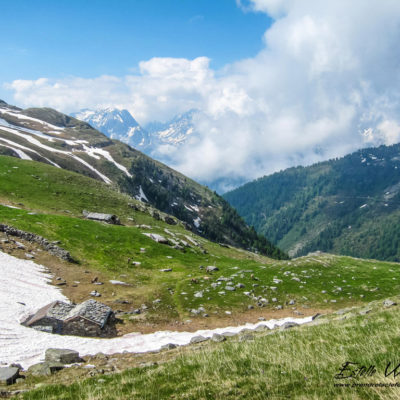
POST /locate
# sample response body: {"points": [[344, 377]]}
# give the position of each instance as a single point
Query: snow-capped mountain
{"points": [[174, 132], [116, 124], [121, 125]]}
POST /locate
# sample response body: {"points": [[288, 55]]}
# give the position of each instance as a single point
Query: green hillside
{"points": [[48, 136], [347, 206], [50, 201], [300, 362]]}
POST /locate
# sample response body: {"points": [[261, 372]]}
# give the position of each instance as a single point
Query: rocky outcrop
{"points": [[49, 246], [63, 356], [9, 375]]}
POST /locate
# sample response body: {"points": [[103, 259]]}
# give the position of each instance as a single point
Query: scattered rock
{"points": [[95, 293], [166, 270], [8, 375], [389, 303], [169, 220], [216, 337], [261, 328], [113, 282], [240, 285], [64, 356], [288, 325], [261, 319], [45, 368], [292, 302], [198, 339], [230, 288], [32, 238], [169, 346], [198, 294], [136, 263]]}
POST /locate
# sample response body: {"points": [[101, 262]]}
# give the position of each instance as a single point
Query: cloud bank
{"points": [[325, 83]]}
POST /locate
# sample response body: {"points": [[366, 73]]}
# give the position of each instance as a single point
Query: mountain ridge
{"points": [[349, 205], [46, 135]]}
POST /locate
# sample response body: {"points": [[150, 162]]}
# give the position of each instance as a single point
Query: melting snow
{"points": [[197, 222], [141, 196], [28, 149], [92, 151], [22, 116], [36, 142], [24, 288], [20, 153]]}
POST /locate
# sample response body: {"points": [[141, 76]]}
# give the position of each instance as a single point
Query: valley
{"points": [[175, 293]]}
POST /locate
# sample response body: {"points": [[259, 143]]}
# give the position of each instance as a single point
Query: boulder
{"points": [[8, 375], [45, 368], [169, 220], [261, 328], [198, 339], [288, 325], [211, 268], [63, 356], [169, 346], [230, 288], [216, 337]]}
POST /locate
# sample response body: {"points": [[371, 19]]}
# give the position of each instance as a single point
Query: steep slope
{"points": [[45, 135], [117, 124], [347, 206]]}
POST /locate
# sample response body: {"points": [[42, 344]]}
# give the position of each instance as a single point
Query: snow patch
{"points": [[20, 153], [141, 196], [197, 222], [25, 287], [22, 116], [92, 151]]}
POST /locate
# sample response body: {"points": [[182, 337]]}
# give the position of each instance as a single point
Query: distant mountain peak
{"points": [[117, 124], [176, 131]]}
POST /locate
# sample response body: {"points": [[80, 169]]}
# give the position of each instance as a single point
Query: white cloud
{"points": [[326, 83]]}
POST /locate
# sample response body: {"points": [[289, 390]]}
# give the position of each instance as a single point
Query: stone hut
{"points": [[108, 218], [89, 318]]}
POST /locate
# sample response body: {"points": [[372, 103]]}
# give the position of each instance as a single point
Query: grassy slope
{"points": [[106, 248], [300, 363]]}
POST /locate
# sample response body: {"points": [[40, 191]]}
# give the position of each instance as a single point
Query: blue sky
{"points": [[277, 83], [86, 38]]}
